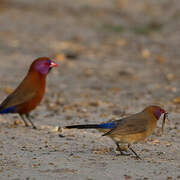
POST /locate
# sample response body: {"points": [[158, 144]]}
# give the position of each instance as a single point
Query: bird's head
{"points": [[155, 110], [43, 65]]}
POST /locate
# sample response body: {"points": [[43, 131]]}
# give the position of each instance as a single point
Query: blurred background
{"points": [[115, 56], [123, 50]]}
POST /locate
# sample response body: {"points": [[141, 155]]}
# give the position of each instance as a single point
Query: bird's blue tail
{"points": [[109, 125], [8, 110]]}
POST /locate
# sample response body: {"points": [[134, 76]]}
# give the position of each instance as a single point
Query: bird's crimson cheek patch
{"points": [[46, 63]]}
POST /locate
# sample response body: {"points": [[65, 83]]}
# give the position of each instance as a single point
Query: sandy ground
{"points": [[115, 58]]}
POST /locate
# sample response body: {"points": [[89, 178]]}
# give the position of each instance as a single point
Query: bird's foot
{"points": [[34, 127], [138, 157], [123, 153], [27, 125], [61, 136], [31, 116]]}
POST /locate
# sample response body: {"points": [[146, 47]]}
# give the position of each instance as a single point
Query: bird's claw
{"points": [[34, 127], [61, 136], [123, 153]]}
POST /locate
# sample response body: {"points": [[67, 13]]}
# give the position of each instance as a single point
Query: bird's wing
{"points": [[131, 125], [19, 96]]}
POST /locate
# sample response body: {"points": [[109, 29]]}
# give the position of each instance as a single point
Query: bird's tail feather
{"points": [[7, 110], [109, 125]]}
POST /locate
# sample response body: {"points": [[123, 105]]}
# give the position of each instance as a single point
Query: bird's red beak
{"points": [[53, 64]]}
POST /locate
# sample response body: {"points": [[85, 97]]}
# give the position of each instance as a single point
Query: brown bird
{"points": [[129, 130], [30, 92]]}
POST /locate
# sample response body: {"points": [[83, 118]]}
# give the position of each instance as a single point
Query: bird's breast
{"points": [[28, 106], [130, 138], [39, 88]]}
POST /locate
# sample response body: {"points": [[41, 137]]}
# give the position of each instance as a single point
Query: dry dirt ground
{"points": [[115, 58]]}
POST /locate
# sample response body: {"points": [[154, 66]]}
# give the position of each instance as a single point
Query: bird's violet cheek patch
{"points": [[157, 113], [42, 67]]}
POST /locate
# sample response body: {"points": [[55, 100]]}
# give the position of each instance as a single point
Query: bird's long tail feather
{"points": [[109, 125], [7, 110]]}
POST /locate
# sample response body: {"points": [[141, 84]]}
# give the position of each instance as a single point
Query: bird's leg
{"points": [[121, 151], [118, 147], [134, 152], [30, 116], [25, 122], [29, 119]]}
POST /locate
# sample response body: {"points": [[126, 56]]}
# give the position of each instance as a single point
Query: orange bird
{"points": [[30, 92], [129, 130]]}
